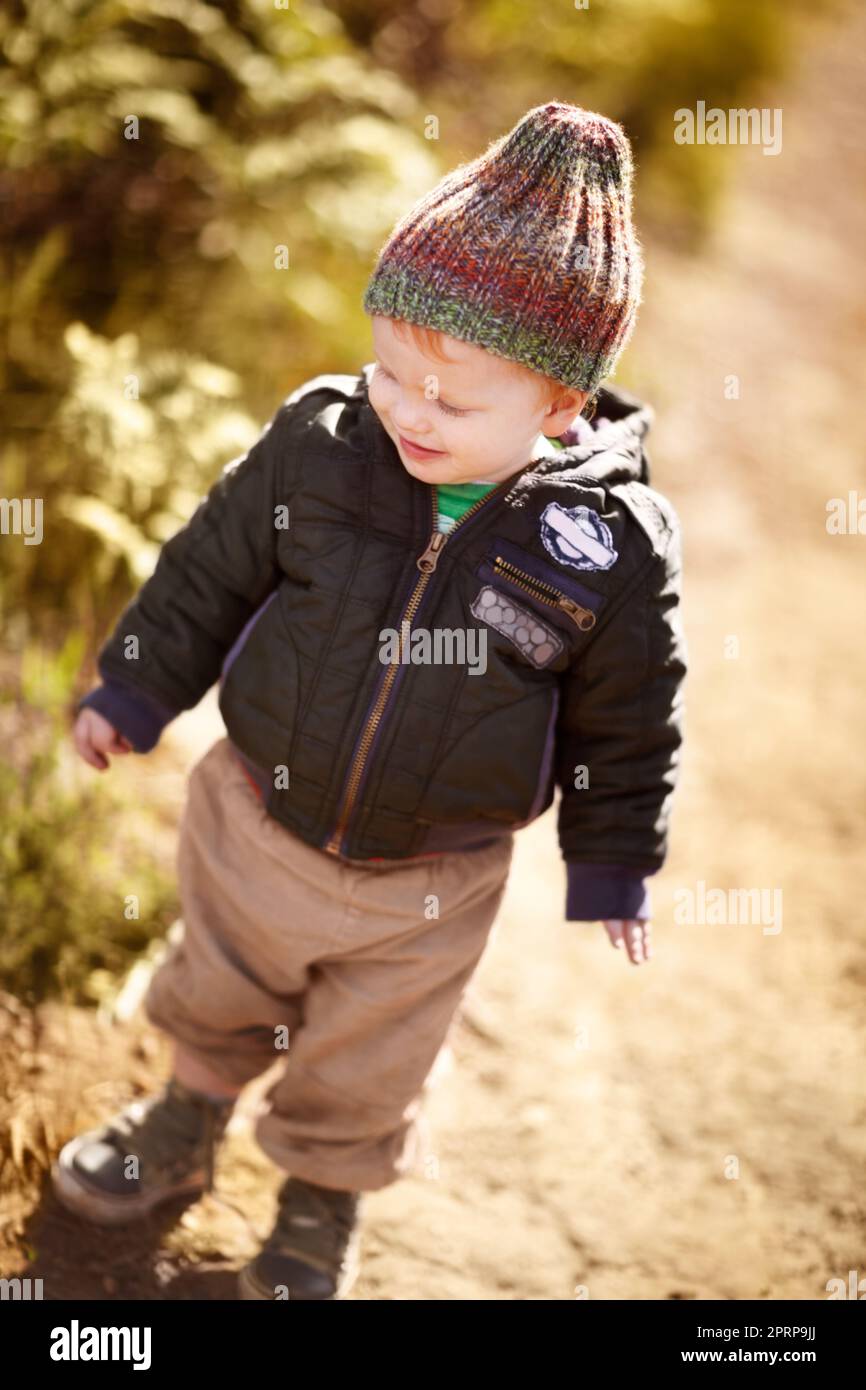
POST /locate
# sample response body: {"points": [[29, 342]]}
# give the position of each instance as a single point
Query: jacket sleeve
{"points": [[168, 645], [620, 730]]}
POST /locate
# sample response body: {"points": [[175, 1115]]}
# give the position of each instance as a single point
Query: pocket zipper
{"points": [[583, 618]]}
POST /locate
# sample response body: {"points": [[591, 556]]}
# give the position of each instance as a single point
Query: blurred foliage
{"points": [[68, 857], [636, 60], [191, 198], [134, 438], [157, 152], [160, 158]]}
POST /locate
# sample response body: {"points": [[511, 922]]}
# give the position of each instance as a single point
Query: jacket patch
{"points": [[578, 537], [538, 642]]}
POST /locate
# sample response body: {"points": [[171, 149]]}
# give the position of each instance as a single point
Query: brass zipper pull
{"points": [[427, 562], [583, 617]]}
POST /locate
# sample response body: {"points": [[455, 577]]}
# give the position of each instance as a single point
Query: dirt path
{"points": [[594, 1114]]}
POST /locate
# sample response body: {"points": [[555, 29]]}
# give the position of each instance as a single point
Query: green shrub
{"points": [[72, 857]]}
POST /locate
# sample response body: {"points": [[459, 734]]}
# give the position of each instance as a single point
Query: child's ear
{"points": [[561, 413]]}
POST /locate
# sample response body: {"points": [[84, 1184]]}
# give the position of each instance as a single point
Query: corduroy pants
{"points": [[348, 972]]}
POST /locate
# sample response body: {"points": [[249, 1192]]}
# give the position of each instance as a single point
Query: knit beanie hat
{"points": [[527, 251]]}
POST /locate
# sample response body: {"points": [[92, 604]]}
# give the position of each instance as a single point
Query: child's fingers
{"points": [[613, 927], [647, 938], [88, 752], [633, 941], [637, 939], [633, 935]]}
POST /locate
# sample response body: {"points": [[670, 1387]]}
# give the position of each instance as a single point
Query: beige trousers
{"points": [[348, 972]]}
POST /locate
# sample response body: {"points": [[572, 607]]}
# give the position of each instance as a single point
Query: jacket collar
{"points": [[615, 451]]}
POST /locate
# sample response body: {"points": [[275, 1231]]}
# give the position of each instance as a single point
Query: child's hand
{"points": [[94, 737], [635, 934]]}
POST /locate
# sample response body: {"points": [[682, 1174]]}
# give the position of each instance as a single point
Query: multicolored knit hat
{"points": [[527, 251]]}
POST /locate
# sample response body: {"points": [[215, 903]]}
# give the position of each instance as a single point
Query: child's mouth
{"points": [[417, 452]]}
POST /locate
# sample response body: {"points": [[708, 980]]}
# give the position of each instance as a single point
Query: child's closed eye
{"points": [[448, 409]]}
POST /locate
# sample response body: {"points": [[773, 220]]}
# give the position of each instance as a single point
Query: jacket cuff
{"points": [[599, 892], [139, 717]]}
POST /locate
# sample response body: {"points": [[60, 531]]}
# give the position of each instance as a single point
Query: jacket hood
{"points": [[611, 447]]}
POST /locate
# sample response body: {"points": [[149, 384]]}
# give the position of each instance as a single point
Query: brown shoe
{"points": [[173, 1135], [313, 1251]]}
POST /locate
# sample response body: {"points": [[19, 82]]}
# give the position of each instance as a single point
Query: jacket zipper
{"points": [[584, 618], [426, 563]]}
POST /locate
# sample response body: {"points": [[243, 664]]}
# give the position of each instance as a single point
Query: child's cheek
{"points": [[379, 395]]}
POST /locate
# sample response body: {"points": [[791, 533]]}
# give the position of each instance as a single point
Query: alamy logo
{"points": [[439, 646], [856, 1288], [22, 516], [21, 1289], [737, 126], [578, 537], [76, 1343], [723, 907]]}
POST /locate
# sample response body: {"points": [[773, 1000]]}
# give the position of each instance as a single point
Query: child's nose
{"points": [[412, 422], [409, 413]]}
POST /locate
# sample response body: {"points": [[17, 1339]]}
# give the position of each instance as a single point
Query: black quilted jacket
{"points": [[310, 546]]}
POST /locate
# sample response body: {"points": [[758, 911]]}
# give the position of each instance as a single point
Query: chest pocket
{"points": [[561, 607], [538, 641]]}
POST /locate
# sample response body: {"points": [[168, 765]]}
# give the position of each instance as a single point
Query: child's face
{"points": [[484, 420]]}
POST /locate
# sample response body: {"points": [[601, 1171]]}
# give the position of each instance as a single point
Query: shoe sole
{"points": [[104, 1208], [249, 1288]]}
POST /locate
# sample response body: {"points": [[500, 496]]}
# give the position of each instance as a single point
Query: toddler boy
{"points": [[424, 617]]}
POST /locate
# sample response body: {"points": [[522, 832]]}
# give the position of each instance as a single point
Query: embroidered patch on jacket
{"points": [[539, 643], [578, 537]]}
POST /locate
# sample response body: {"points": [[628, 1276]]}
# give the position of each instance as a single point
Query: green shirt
{"points": [[455, 499]]}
